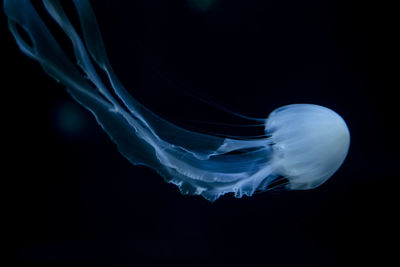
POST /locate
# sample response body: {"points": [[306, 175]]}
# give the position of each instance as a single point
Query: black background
{"points": [[73, 199]]}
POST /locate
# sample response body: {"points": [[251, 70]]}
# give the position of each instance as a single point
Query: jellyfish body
{"points": [[304, 143]]}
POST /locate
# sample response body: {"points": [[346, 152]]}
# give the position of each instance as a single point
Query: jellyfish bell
{"points": [[310, 142]]}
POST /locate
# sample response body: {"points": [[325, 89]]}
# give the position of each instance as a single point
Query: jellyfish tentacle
{"points": [[305, 144]]}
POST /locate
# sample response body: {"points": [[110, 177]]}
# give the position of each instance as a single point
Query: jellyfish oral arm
{"points": [[304, 143]]}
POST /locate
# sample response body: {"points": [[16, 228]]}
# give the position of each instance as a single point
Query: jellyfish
{"points": [[303, 144]]}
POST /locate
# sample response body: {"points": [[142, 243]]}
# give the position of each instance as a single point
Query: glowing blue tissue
{"points": [[303, 143]]}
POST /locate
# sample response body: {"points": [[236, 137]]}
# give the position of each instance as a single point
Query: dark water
{"points": [[75, 200]]}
